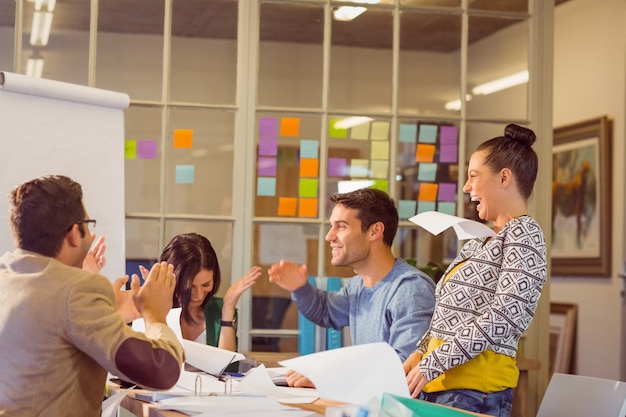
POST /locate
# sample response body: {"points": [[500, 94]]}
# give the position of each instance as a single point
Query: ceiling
{"points": [[424, 31]]}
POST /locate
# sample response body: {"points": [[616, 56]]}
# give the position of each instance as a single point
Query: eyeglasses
{"points": [[91, 224]]}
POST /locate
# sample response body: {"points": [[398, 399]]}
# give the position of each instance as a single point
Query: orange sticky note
{"points": [[183, 138], [309, 167], [428, 192], [287, 206], [425, 153], [307, 207], [289, 126]]}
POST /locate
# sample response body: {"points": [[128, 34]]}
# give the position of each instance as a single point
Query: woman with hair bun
{"points": [[487, 297]]}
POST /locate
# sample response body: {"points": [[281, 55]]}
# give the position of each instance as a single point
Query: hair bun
{"points": [[521, 134]]}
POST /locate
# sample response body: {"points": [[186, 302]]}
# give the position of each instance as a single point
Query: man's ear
{"points": [[73, 237], [376, 231]]}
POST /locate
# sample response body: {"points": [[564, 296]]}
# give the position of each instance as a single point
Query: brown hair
{"points": [[372, 206], [190, 253], [43, 210], [514, 151]]}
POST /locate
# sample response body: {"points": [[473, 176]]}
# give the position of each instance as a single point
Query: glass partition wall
{"points": [[247, 115]]}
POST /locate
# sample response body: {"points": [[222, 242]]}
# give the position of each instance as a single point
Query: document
{"points": [[219, 405], [357, 374], [436, 222], [210, 359], [258, 381]]}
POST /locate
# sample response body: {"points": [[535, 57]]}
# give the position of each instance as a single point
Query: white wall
{"points": [[589, 82]]}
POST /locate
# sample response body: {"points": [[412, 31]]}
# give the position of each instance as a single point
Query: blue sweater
{"points": [[397, 310]]}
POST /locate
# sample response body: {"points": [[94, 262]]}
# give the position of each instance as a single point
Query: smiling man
{"points": [[387, 301]]}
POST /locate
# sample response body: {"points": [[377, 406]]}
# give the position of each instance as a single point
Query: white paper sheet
{"points": [[222, 404], [210, 359], [436, 222], [258, 381], [355, 374], [111, 405]]}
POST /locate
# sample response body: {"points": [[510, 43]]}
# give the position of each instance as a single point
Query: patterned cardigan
{"points": [[490, 300]]}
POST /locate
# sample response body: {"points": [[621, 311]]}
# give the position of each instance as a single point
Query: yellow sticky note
{"points": [[130, 149], [380, 131], [309, 167], [428, 192], [360, 132], [379, 169], [287, 206], [359, 168], [307, 207], [379, 150], [183, 138], [289, 126], [425, 153]]}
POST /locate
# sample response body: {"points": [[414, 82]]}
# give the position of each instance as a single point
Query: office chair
{"points": [[583, 396]]}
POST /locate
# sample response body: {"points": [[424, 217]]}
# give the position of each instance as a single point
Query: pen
{"points": [[233, 374]]}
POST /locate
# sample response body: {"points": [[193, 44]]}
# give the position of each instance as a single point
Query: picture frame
{"points": [[562, 334], [581, 199]]}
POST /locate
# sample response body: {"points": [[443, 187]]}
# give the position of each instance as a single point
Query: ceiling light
{"points": [[40, 31], [501, 83], [34, 67], [50, 4], [348, 13], [349, 122], [456, 104]]}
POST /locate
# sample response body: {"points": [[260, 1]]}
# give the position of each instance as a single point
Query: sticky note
{"points": [[266, 186], [307, 207], [309, 148], [334, 132], [359, 168], [427, 172], [449, 135], [287, 206], [448, 153], [380, 131], [379, 150], [309, 167], [379, 169], [360, 132], [428, 134], [428, 192], [407, 133], [423, 206], [446, 207], [308, 187], [268, 126], [130, 149], [183, 138], [290, 126], [337, 167], [185, 174], [268, 146], [425, 153], [266, 166], [447, 191], [147, 149], [406, 208], [382, 185]]}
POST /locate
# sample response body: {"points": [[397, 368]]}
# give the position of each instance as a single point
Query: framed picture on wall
{"points": [[562, 337], [581, 199]]}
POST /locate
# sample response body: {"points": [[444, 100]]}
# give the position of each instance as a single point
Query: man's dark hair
{"points": [[43, 210], [373, 206]]}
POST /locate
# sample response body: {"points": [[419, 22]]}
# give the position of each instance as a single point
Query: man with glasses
{"points": [[59, 329]]}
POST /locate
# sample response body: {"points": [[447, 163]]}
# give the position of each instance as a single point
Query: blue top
{"points": [[397, 310]]}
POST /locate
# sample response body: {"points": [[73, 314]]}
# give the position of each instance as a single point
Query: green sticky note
{"points": [[334, 132], [130, 149], [308, 187], [382, 185]]}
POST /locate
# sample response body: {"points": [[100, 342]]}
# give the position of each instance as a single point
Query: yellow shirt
{"points": [[487, 372]]}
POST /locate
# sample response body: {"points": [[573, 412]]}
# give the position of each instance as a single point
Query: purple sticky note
{"points": [[448, 153], [447, 191], [146, 149], [268, 126], [268, 146], [266, 167], [448, 135], [337, 167]]}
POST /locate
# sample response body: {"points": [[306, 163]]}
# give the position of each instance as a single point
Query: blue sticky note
{"points": [[408, 133], [406, 208], [428, 134], [427, 172], [185, 174], [309, 148], [423, 206], [447, 208], [266, 186]]}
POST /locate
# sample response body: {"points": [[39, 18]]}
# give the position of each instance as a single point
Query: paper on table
{"points": [[210, 359], [436, 222], [221, 404], [172, 320], [258, 381], [185, 387], [111, 405], [355, 374]]}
